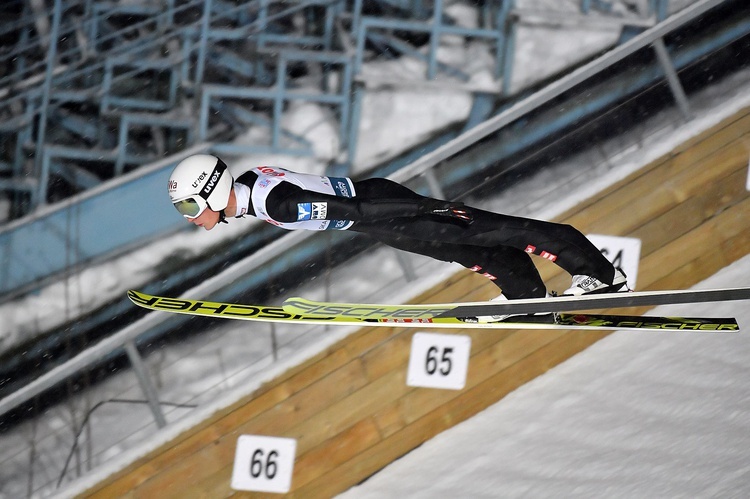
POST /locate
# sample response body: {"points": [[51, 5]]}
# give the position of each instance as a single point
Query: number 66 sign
{"points": [[263, 464]]}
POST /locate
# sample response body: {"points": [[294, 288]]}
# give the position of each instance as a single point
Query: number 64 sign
{"points": [[623, 252]]}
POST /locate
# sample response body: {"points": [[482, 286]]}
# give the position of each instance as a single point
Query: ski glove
{"points": [[451, 209]]}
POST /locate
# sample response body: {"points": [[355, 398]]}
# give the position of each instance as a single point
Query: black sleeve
{"points": [[282, 206]]}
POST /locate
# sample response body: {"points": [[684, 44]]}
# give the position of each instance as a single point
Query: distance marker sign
{"points": [[439, 361], [263, 464], [623, 252]]}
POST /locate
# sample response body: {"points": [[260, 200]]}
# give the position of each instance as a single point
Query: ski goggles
{"points": [[191, 207]]}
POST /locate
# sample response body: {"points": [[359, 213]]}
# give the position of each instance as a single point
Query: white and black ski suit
{"points": [[494, 245]]}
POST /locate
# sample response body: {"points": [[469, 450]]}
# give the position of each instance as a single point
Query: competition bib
{"points": [[309, 214]]}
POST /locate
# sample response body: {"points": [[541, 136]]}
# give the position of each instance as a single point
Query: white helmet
{"points": [[198, 182]]}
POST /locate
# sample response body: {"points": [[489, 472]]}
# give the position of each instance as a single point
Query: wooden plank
{"points": [[715, 198], [703, 243], [484, 365], [334, 452], [460, 408], [316, 463], [211, 429], [186, 469], [731, 127], [393, 415], [724, 251], [389, 355], [395, 353], [736, 126], [278, 394], [387, 384], [717, 137], [652, 195], [339, 417]]}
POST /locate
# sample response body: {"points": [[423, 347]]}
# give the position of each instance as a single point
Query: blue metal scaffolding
{"points": [[97, 88]]}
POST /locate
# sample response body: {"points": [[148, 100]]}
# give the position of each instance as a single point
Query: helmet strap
{"points": [[222, 218]]}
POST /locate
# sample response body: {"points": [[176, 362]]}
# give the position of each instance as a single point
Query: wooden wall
{"points": [[349, 407]]}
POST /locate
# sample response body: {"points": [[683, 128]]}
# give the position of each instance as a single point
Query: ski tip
{"points": [[141, 299]]}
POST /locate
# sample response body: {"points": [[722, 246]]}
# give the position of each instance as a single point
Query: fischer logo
{"points": [[530, 249], [198, 180], [212, 182], [368, 311], [216, 309]]}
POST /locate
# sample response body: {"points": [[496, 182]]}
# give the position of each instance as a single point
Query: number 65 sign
{"points": [[263, 464], [438, 361]]}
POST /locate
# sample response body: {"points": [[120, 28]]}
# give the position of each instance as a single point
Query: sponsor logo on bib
{"points": [[304, 211]]}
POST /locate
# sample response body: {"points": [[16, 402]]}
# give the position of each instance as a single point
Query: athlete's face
{"points": [[208, 219]]}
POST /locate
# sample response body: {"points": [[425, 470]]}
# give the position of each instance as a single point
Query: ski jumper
{"points": [[494, 245]]}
